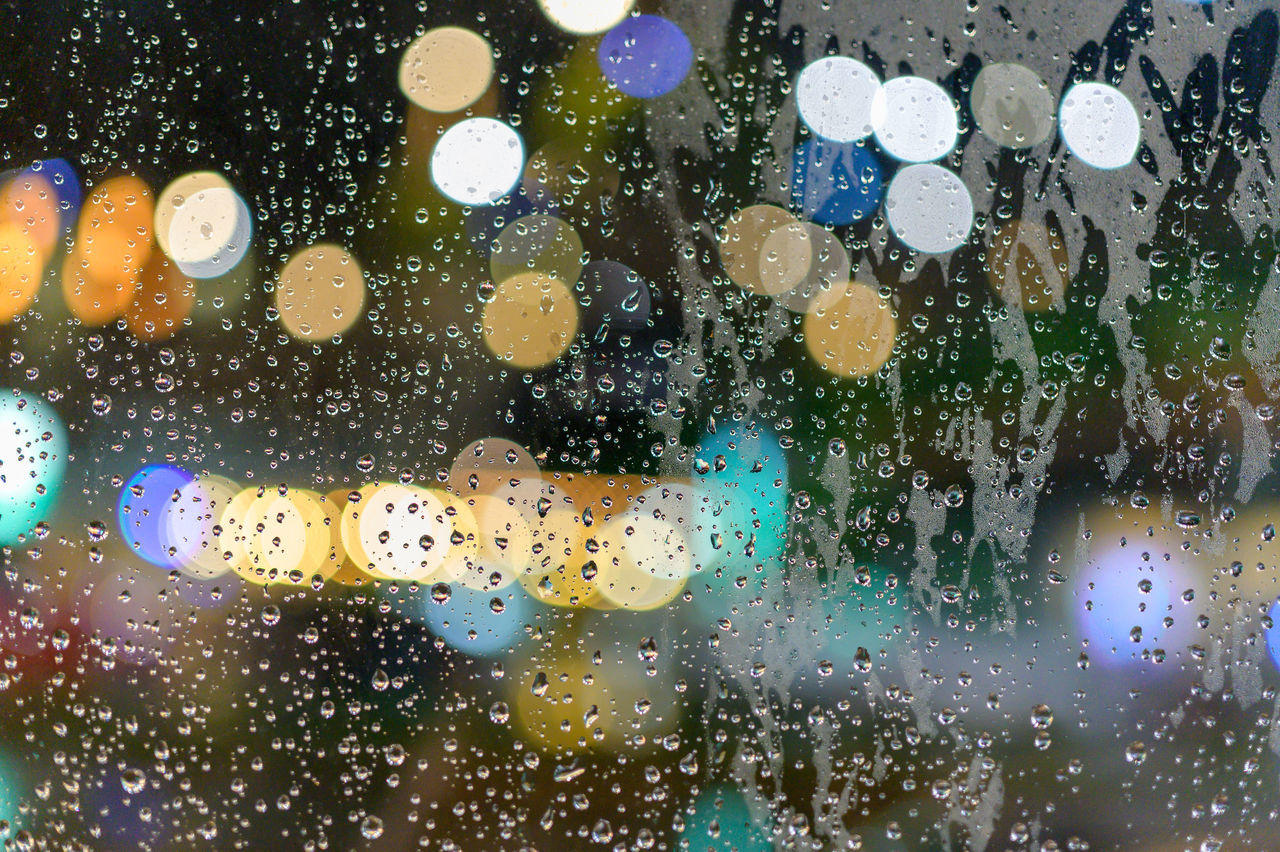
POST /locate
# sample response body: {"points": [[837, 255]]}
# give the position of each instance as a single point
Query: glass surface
{"points": [[639, 424]]}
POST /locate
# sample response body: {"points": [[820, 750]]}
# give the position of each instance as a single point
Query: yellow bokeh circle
{"points": [[446, 70], [850, 331], [320, 292], [531, 320]]}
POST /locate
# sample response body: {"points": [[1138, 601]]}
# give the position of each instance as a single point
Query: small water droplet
{"points": [[133, 781], [371, 828]]}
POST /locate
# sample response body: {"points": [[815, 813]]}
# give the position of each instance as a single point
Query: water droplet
{"points": [[133, 781], [601, 832], [862, 660], [371, 828], [1187, 519]]}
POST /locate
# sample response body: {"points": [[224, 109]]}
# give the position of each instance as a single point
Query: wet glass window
{"points": [[685, 425]]}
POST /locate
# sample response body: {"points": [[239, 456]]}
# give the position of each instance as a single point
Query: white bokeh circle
{"points": [[477, 161], [929, 208], [834, 97], [586, 17], [915, 120], [1099, 125]]}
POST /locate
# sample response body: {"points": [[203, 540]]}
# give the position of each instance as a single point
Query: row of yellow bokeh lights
{"points": [[492, 525]]}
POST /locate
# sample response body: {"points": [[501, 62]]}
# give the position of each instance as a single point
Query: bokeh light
{"points": [[755, 259], [29, 202], [479, 623], [405, 532], [504, 543], [851, 331], [744, 474], [556, 574], [540, 244], [33, 457], [293, 538], [349, 571], [1027, 264], [1128, 599], [835, 183], [530, 321], [643, 561], [586, 17], [21, 269], [929, 208], [645, 56], [203, 224], [786, 256], [162, 300], [835, 97], [718, 820], [477, 161], [357, 504], [462, 545], [915, 120], [698, 521], [66, 186], [1272, 634], [174, 198], [446, 70], [191, 525], [235, 529], [320, 292], [829, 269], [1012, 105], [113, 243], [142, 511], [1100, 125]]}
